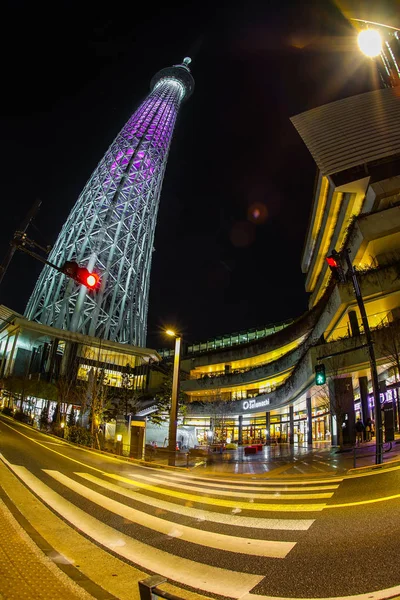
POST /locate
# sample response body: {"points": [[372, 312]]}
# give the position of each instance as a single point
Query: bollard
{"points": [[146, 586], [354, 457]]}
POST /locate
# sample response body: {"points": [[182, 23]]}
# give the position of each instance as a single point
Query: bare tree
{"points": [[331, 398], [219, 409], [163, 398], [388, 345]]}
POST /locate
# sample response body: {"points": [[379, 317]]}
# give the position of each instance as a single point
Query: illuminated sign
{"points": [[248, 404]]}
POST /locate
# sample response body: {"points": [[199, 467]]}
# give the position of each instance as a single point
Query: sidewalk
{"points": [[25, 571], [285, 460]]}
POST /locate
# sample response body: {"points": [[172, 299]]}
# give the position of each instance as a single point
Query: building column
{"points": [[309, 421], [342, 402], [354, 326], [8, 369], [52, 358], [388, 410], [268, 426], [396, 407], [240, 440], [3, 360], [291, 425], [365, 409]]}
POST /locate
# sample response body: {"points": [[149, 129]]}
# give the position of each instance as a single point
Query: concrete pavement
{"points": [[287, 461], [25, 571]]}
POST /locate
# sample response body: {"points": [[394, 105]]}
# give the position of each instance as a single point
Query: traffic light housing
{"points": [[336, 267], [81, 274], [320, 375]]}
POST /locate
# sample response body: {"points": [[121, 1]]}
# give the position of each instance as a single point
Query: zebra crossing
{"points": [[194, 531]]}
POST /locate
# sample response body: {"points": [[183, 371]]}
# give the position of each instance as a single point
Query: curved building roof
{"points": [[352, 132]]}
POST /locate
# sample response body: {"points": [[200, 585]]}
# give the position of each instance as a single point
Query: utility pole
{"points": [[370, 345], [31, 214]]}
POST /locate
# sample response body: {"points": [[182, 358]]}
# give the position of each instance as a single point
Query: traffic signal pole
{"points": [[21, 231], [70, 268], [371, 350]]}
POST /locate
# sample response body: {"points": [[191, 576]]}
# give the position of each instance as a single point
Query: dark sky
{"points": [[73, 73]]}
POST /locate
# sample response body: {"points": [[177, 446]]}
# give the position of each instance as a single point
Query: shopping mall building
{"points": [[260, 385]]}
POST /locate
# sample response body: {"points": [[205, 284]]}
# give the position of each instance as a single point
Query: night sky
{"points": [[239, 182]]}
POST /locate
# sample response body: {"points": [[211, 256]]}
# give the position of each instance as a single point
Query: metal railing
{"points": [[386, 447], [148, 589]]}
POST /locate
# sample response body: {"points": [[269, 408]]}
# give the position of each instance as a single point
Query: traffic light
{"points": [[336, 267], [320, 376], [81, 274]]}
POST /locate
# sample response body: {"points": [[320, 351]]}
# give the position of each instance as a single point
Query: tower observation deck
{"points": [[111, 228]]}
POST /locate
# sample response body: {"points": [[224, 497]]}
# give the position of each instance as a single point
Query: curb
{"points": [[390, 463], [122, 458]]}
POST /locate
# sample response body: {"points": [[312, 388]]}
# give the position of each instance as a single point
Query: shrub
{"points": [[7, 411], [44, 421], [21, 416], [57, 430], [79, 435]]}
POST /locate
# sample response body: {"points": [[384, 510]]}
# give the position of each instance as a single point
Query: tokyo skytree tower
{"points": [[111, 228]]}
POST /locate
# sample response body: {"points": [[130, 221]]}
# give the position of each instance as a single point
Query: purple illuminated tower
{"points": [[111, 228]]}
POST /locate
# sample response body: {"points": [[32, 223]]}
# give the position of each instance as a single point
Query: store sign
{"points": [[249, 404]]}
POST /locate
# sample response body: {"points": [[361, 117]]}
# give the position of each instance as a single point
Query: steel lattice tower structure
{"points": [[111, 228]]}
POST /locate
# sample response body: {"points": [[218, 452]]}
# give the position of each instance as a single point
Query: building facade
{"points": [[40, 364], [111, 228], [265, 389]]}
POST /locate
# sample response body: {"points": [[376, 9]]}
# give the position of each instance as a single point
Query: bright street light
{"points": [[370, 42], [173, 415]]}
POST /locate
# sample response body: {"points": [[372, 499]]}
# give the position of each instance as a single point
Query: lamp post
{"points": [[380, 43], [173, 415], [374, 373], [370, 42]]}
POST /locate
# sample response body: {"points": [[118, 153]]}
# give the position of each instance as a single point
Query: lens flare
{"points": [[370, 42]]}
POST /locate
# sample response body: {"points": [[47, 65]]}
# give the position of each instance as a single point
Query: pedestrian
{"points": [[359, 431], [368, 429]]}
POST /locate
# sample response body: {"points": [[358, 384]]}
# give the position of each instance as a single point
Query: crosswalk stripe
{"points": [[230, 543], [239, 494], [201, 515], [392, 592], [220, 501], [254, 481], [177, 482], [196, 575]]}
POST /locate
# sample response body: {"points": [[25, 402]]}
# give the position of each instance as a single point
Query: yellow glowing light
{"points": [[170, 332], [62, 425], [119, 437], [370, 42]]}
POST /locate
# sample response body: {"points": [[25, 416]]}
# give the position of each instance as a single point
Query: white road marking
{"points": [[378, 595], [194, 513], [196, 575], [230, 503], [263, 482], [210, 539], [276, 487], [234, 494]]}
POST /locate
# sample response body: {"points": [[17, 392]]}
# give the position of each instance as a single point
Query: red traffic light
{"points": [[331, 261], [335, 265], [81, 275], [90, 280]]}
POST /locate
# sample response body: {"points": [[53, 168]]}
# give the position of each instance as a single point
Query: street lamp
{"points": [[370, 42], [173, 415], [382, 43]]}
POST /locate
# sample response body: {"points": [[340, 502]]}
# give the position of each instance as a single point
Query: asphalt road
{"points": [[310, 538]]}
